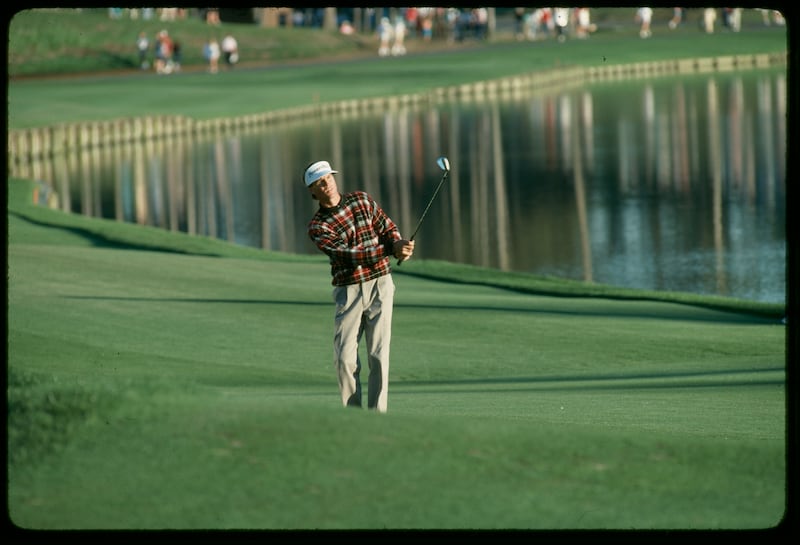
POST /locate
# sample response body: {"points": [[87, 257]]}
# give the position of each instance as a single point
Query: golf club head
{"points": [[443, 163]]}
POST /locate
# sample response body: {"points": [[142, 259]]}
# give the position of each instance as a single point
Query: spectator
{"points": [[212, 16], [677, 17], [533, 23], [519, 23], [412, 21], [451, 17], [211, 52], [176, 56], [163, 53], [709, 18], [424, 17], [481, 20], [426, 28], [143, 45], [644, 16], [584, 23], [230, 50], [398, 47], [732, 18], [385, 35], [548, 21], [561, 16]]}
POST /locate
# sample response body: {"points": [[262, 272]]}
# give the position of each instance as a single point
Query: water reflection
{"points": [[675, 184]]}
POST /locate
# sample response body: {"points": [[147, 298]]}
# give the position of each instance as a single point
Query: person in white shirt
{"points": [[230, 50], [212, 54]]}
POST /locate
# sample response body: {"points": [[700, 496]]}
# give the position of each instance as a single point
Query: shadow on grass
{"points": [[605, 312], [768, 311], [691, 379], [199, 300], [101, 241]]}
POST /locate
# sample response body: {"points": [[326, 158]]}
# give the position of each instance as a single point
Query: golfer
{"points": [[358, 238]]}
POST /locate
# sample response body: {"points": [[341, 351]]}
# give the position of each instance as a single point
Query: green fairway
{"points": [[157, 380], [151, 387]]}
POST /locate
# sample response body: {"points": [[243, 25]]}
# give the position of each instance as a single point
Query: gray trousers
{"points": [[363, 309]]}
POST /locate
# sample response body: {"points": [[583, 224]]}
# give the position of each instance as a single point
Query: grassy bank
{"points": [[68, 41], [265, 86], [51, 42], [158, 380], [65, 41]]}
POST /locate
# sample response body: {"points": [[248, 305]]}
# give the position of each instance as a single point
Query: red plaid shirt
{"points": [[357, 236]]}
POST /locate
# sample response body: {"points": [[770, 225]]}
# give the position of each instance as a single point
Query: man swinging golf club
{"points": [[358, 238]]}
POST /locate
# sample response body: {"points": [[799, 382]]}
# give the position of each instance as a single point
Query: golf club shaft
{"points": [[424, 213]]}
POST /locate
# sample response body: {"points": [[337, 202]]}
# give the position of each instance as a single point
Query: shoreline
{"points": [[31, 144]]}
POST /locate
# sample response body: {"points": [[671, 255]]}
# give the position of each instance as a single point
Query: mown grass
{"points": [[261, 87], [64, 41], [159, 382], [163, 381]]}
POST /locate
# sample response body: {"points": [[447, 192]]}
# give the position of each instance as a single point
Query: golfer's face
{"points": [[324, 188]]}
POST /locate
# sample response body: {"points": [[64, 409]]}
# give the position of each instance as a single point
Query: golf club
{"points": [[443, 164]]}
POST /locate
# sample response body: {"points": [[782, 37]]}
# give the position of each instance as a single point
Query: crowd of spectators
{"points": [[165, 52], [393, 27]]}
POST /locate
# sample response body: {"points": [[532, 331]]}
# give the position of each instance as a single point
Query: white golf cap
{"points": [[317, 170]]}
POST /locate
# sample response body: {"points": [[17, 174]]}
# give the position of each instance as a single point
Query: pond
{"points": [[672, 184]]}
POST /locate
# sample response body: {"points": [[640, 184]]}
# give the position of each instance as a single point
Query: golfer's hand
{"points": [[403, 249]]}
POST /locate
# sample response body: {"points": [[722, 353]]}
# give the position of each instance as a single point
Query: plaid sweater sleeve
{"points": [[357, 236]]}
